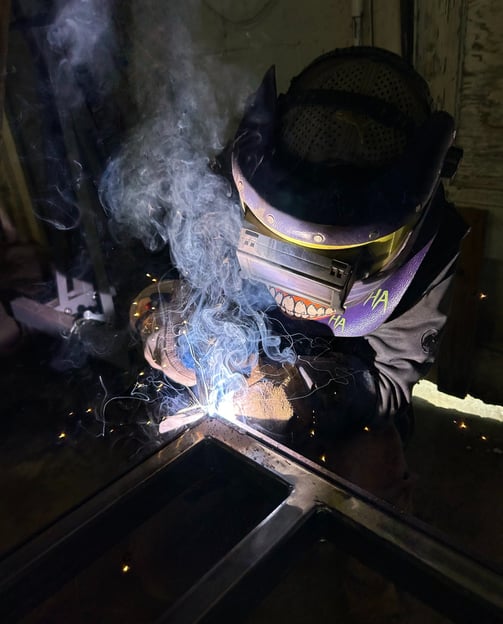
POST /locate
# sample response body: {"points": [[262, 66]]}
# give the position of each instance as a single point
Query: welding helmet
{"points": [[336, 179]]}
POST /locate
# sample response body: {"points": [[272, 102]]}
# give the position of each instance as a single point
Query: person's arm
{"points": [[405, 347]]}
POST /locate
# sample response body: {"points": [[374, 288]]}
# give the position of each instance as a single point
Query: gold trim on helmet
{"points": [[379, 252]]}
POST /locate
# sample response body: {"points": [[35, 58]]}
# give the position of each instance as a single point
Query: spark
{"points": [[126, 568], [62, 435]]}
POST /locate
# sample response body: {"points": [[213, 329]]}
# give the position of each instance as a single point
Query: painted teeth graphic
{"points": [[298, 308], [288, 304]]}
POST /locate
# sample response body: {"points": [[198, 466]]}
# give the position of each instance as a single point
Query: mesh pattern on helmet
{"points": [[325, 133]]}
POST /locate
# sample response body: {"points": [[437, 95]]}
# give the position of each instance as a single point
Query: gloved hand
{"points": [[333, 394], [155, 314]]}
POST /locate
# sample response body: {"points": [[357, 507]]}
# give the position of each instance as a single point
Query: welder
{"points": [[346, 223]]}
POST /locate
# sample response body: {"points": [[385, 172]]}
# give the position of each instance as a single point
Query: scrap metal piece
{"points": [[183, 418]]}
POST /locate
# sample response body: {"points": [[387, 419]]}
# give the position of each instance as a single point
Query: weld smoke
{"points": [[74, 66], [160, 189], [85, 50]]}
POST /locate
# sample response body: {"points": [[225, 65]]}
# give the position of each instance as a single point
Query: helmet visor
{"points": [[312, 282], [367, 258]]}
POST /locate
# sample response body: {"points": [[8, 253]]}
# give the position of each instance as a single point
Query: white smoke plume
{"points": [[82, 38], [160, 189]]}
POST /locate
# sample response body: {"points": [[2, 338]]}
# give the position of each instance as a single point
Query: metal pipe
{"points": [[357, 19]]}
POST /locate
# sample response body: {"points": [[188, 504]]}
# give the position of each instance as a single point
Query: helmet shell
{"points": [[350, 154]]}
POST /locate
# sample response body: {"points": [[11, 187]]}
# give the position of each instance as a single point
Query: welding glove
{"points": [[330, 396], [264, 404], [155, 315], [333, 395]]}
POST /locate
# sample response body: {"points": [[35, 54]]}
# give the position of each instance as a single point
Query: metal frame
{"points": [[407, 551]]}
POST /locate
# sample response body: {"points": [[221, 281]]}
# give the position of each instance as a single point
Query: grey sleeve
{"points": [[406, 345]]}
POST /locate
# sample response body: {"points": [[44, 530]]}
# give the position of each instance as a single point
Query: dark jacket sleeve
{"points": [[405, 346]]}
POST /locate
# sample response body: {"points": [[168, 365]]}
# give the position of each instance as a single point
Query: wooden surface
{"points": [[481, 117], [456, 356], [17, 219], [459, 50], [4, 34], [438, 53], [4, 28], [381, 24]]}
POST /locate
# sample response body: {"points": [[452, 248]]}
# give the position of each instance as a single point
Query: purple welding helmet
{"points": [[336, 179]]}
